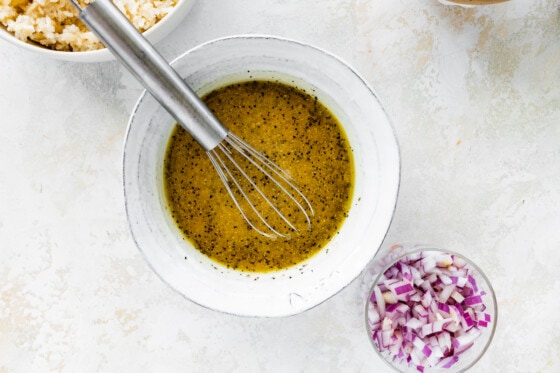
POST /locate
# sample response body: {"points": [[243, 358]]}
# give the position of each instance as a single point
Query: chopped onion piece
{"points": [[446, 292], [457, 297], [447, 362], [389, 297], [379, 301], [426, 310], [414, 323], [471, 301]]}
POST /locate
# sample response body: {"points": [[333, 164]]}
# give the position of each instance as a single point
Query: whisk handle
{"points": [[106, 21]]}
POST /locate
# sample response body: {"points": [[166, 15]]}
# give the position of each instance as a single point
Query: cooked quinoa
{"points": [[55, 24]]}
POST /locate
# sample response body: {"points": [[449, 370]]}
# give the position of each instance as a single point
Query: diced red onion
{"points": [[481, 316], [426, 310], [457, 297], [414, 323], [444, 308], [447, 362], [446, 280], [471, 301], [446, 292], [402, 288], [379, 301], [471, 283], [389, 297]]}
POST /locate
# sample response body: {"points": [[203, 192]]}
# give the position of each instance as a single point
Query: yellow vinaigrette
{"points": [[295, 131]]}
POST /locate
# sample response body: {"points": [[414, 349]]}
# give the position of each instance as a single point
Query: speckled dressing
{"points": [[294, 130]]}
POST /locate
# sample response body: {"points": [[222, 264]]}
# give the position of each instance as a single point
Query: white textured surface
{"points": [[474, 96]]}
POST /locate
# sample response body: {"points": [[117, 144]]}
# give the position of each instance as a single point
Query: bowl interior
{"points": [[376, 159]]}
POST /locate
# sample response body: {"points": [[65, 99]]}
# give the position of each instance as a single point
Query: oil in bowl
{"points": [[299, 134]]}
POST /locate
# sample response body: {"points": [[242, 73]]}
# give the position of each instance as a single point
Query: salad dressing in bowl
{"points": [[299, 134]]}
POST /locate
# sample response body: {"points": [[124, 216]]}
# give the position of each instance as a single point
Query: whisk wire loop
{"points": [[253, 185], [263, 164], [271, 171], [228, 179]]}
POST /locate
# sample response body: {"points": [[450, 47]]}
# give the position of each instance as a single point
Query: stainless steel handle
{"points": [[107, 22]]}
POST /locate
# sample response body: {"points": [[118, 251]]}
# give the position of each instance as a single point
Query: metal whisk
{"points": [[265, 213]]}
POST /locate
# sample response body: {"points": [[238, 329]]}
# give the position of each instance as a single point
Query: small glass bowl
{"points": [[468, 358]]}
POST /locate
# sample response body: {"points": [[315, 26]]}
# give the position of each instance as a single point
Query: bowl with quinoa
{"points": [[52, 27]]}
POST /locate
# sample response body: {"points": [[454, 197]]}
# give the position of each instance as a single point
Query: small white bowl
{"points": [[376, 159], [154, 34]]}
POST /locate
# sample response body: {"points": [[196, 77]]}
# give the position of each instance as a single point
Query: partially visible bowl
{"points": [[153, 34], [471, 3], [376, 160]]}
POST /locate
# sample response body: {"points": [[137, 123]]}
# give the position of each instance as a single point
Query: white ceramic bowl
{"points": [[154, 34], [298, 288]]}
